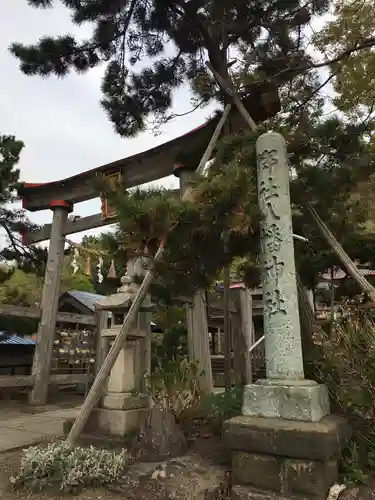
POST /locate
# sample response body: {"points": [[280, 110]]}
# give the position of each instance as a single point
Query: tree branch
{"points": [[318, 89], [366, 44]]}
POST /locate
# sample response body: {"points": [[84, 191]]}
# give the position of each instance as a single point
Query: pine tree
{"points": [[329, 157], [173, 36], [13, 220], [352, 76]]}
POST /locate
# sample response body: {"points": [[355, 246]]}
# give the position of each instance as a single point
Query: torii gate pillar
{"points": [[196, 313], [49, 306]]}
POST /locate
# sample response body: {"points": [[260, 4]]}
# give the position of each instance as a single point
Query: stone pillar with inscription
{"points": [[276, 396], [285, 441]]}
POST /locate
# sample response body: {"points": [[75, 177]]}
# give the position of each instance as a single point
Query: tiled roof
{"points": [[5, 338], [89, 300], [86, 298]]}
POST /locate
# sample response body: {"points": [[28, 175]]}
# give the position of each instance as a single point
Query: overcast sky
{"points": [[64, 129]]}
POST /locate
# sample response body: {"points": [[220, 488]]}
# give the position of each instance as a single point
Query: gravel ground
{"points": [[191, 473], [12, 409]]}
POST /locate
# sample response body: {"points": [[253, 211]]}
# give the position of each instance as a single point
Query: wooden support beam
{"points": [[79, 225], [138, 169], [19, 312], [33, 312], [75, 319], [196, 313], [76, 226], [50, 300], [70, 378], [8, 381], [247, 330]]}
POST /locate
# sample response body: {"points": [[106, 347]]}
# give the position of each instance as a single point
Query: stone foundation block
{"points": [[115, 422], [284, 459], [309, 478], [248, 493], [300, 479], [311, 440], [258, 470]]}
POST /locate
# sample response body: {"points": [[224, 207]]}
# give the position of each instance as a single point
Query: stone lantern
{"points": [[124, 403]]}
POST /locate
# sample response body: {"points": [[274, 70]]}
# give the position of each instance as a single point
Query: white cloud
{"points": [[64, 129]]}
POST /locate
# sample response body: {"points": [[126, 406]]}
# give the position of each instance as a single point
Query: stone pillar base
{"points": [[304, 400], [120, 414], [274, 458], [123, 401], [115, 422]]}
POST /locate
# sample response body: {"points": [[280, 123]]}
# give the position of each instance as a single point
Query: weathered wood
{"points": [[70, 378], [199, 349], [340, 253], [143, 356], [75, 319], [101, 344], [100, 379], [18, 311], [7, 381], [227, 321], [33, 312], [247, 329], [201, 342], [115, 330], [239, 363], [50, 300], [138, 169], [190, 330], [82, 224], [76, 226]]}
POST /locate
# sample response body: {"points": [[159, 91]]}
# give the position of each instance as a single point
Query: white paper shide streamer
{"points": [[99, 269], [74, 263]]}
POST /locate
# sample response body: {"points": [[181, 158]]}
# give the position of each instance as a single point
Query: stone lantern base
{"points": [[118, 415], [284, 459]]}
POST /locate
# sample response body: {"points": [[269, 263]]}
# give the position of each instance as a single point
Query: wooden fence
{"points": [[25, 381], [34, 312], [8, 381]]}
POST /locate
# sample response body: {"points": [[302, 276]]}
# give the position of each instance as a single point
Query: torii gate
{"points": [[60, 197]]}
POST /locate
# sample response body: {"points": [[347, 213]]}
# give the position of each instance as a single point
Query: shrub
{"points": [[217, 408], [347, 367], [174, 386], [68, 468], [169, 345]]}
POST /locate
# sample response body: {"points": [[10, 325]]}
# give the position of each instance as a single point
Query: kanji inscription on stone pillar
{"points": [[281, 318]]}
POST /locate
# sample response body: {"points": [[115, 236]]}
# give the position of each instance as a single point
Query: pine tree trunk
{"points": [[349, 265]]}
